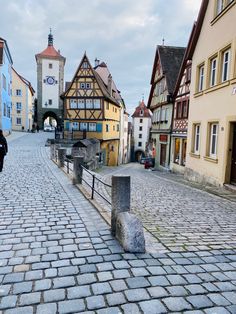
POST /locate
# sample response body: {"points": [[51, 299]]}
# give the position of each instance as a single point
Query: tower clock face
{"points": [[50, 80]]}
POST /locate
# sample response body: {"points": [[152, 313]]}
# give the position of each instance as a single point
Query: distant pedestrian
{"points": [[3, 149], [37, 128]]}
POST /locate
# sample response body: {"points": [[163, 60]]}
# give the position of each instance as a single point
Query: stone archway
{"points": [[52, 116], [138, 154]]}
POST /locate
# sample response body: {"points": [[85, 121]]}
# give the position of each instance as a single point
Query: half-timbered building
{"points": [[164, 75], [92, 108], [180, 114]]}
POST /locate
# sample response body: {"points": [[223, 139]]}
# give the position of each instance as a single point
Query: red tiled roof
{"points": [[145, 111], [50, 51]]}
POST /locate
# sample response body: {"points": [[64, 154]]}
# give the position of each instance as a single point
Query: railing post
{"points": [[93, 184], [78, 161], [61, 157], [120, 198]]}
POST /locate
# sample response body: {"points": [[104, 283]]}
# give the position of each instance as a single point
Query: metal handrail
{"points": [[94, 178]]}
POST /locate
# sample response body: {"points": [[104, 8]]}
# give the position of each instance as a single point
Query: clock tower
{"points": [[50, 83]]}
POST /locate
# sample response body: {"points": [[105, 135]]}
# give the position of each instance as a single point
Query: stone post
{"points": [[120, 198], [61, 157], [52, 151], [77, 169]]}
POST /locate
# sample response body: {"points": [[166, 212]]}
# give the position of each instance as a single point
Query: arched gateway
{"points": [[50, 82]]}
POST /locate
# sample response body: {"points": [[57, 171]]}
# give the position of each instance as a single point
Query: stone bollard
{"points": [[126, 227], [61, 157], [52, 151], [120, 198], [77, 169]]}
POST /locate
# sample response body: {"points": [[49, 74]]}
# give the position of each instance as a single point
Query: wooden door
{"points": [[163, 155], [233, 165]]}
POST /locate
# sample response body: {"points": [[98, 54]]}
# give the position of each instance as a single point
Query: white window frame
{"points": [[213, 72], [225, 65], [18, 121], [166, 114], [201, 78], [92, 127], [83, 126], [73, 104], [18, 106], [196, 148], [97, 103], [89, 103], [18, 92], [75, 126], [81, 104], [213, 140]]}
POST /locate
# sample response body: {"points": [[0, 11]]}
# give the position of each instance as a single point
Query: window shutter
{"points": [[99, 127], [67, 126]]}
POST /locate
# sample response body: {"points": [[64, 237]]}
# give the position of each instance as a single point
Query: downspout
{"points": [[171, 126]]}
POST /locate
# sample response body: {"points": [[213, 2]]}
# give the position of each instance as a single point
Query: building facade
{"points": [[180, 114], [92, 108], [211, 155], [141, 130], [22, 103], [5, 87], [50, 84], [164, 75]]}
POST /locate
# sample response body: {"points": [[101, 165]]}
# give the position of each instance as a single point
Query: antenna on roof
{"points": [[143, 97], [163, 41]]}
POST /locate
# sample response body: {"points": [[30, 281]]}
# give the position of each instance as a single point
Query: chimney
{"points": [[96, 62], [109, 84]]}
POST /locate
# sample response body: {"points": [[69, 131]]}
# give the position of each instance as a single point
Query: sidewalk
{"points": [[57, 254]]}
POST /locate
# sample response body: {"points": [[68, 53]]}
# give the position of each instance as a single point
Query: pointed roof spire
{"points": [[163, 41], [50, 38]]}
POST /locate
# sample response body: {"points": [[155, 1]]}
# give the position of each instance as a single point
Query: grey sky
{"points": [[122, 33]]}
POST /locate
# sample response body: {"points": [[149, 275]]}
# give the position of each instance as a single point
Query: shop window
{"points": [[177, 151]]}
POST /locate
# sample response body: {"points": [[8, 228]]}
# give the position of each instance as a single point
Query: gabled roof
{"points": [[100, 80], [141, 111], [198, 27], [25, 81], [171, 59], [2, 49], [104, 73], [184, 63]]}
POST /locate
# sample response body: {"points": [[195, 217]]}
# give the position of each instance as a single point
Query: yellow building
{"points": [[211, 155], [22, 103], [92, 108]]}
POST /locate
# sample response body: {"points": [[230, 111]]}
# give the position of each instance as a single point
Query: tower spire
{"points": [[50, 38]]}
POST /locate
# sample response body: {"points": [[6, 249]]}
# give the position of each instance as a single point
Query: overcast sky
{"points": [[122, 33]]}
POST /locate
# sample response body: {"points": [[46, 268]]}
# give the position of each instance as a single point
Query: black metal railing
{"points": [[93, 183], [69, 165]]}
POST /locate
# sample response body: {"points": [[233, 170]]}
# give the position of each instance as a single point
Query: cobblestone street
{"points": [[57, 254], [181, 217]]}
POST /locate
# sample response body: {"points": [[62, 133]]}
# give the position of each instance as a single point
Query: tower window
{"points": [[50, 65], [50, 101]]}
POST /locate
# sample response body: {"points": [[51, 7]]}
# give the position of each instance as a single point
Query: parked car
{"points": [[142, 160], [48, 128], [149, 163]]}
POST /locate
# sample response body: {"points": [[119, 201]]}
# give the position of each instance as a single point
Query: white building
{"points": [[141, 129], [50, 83]]}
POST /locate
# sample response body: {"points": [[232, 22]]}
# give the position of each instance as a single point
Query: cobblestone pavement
{"points": [[181, 217], [57, 254]]}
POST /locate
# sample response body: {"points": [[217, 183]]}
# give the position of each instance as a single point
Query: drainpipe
{"points": [[171, 126]]}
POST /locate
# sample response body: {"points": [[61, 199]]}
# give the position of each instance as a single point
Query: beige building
{"points": [[211, 155], [22, 103]]}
